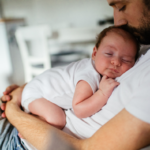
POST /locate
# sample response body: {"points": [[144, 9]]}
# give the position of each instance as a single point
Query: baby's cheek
{"points": [[101, 70], [98, 67], [126, 68]]}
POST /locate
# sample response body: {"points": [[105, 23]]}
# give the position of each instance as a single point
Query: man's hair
{"points": [[147, 3], [113, 29]]}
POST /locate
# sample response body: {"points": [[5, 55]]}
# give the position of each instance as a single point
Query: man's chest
{"points": [[129, 84]]}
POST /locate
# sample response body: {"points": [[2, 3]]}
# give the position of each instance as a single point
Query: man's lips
{"points": [[114, 70]]}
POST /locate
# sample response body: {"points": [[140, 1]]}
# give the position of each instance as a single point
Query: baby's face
{"points": [[115, 55]]}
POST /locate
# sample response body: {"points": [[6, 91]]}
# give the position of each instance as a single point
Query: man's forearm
{"points": [[132, 132], [35, 131], [123, 132]]}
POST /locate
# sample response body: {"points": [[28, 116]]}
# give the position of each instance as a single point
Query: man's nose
{"points": [[119, 19], [116, 62]]}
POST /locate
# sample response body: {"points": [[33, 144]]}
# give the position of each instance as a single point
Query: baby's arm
{"points": [[85, 103]]}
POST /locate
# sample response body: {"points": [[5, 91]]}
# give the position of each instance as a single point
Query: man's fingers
{"points": [[3, 115], [5, 92], [20, 135], [5, 98], [10, 89], [3, 106]]}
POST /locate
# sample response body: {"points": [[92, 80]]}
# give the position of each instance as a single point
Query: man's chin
{"points": [[141, 38], [141, 34]]}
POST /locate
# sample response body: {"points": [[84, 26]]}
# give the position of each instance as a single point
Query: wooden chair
{"points": [[33, 40]]}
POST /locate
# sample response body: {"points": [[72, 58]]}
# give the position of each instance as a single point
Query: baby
{"points": [[79, 86]]}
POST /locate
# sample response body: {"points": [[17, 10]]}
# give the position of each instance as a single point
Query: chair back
{"points": [[33, 40]]}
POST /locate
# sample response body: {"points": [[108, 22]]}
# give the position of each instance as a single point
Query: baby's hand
{"points": [[107, 85]]}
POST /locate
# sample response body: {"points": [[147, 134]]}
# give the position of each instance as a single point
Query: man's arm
{"points": [[34, 130], [123, 132]]}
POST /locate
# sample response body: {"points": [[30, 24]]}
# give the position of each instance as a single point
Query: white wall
{"points": [[5, 63], [76, 12]]}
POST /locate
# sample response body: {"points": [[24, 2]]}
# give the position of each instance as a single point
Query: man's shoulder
{"points": [[144, 49]]}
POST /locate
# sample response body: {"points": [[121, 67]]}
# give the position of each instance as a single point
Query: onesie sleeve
{"points": [[86, 71], [31, 92], [139, 104]]}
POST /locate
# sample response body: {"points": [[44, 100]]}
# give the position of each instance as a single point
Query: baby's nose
{"points": [[116, 62]]}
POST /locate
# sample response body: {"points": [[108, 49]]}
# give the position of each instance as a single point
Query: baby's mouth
{"points": [[114, 70]]}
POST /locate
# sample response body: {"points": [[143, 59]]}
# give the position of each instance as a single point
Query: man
{"points": [[130, 128]]}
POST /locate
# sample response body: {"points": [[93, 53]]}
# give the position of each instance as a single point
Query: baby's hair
{"points": [[102, 34]]}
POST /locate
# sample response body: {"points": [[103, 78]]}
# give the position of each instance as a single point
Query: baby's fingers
{"points": [[104, 77], [115, 84]]}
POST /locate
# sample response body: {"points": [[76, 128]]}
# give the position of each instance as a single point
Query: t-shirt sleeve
{"points": [[139, 104], [86, 71]]}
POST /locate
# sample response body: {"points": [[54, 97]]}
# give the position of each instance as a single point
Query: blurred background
{"points": [[36, 35]]}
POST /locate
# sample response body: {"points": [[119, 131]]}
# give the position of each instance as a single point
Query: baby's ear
{"points": [[94, 53]]}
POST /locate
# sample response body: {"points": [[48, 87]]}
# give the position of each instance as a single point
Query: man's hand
{"points": [[107, 85], [12, 91], [7, 97]]}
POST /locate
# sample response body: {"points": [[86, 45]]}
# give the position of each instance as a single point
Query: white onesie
{"points": [[58, 84]]}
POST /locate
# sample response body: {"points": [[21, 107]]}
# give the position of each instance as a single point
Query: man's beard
{"points": [[142, 33]]}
